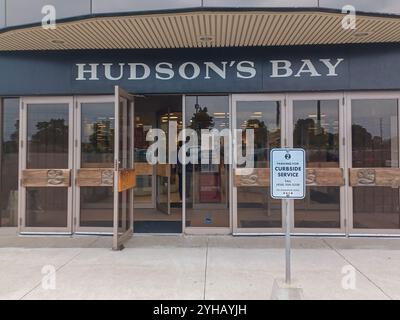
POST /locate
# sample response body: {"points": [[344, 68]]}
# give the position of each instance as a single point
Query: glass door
{"points": [[254, 210], [94, 163], [374, 177], [316, 125], [207, 182], [46, 160], [124, 171], [158, 193]]}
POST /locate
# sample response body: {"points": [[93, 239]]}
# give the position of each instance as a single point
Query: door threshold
{"points": [[45, 234]]}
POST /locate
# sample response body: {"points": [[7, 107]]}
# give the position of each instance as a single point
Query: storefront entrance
{"points": [[159, 189], [76, 165], [83, 172], [352, 154], [313, 122]]}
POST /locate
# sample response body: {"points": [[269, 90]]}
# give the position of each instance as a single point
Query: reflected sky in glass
{"points": [[29, 11]]}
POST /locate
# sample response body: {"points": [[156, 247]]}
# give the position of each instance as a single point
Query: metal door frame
{"points": [[79, 100], [24, 102], [206, 230], [349, 96], [257, 98], [314, 96], [120, 94]]}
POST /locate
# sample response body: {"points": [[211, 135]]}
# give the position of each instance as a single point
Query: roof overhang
{"points": [[201, 28]]}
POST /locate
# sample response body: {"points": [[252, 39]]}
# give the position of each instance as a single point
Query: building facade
{"points": [[78, 103]]}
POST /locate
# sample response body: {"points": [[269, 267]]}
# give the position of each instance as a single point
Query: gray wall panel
{"points": [[105, 6], [2, 13], [30, 11], [260, 3], [381, 6], [20, 12]]}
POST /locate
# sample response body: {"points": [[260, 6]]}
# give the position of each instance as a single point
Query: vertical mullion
{"points": [[343, 141], [183, 166], [230, 165], [398, 140], [71, 144], [287, 128], [22, 157], [349, 157], [77, 165], [132, 157], [1, 146], [234, 204], [116, 165]]}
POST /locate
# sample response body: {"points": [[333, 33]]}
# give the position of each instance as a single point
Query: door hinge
{"points": [[20, 182], [74, 221], [345, 223], [22, 144], [76, 143], [344, 141], [20, 221]]}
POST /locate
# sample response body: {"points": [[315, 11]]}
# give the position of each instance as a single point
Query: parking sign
{"points": [[288, 176]]}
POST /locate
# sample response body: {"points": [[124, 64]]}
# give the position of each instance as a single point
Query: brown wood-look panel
{"points": [[260, 177], [95, 177], [143, 169], [126, 180], [257, 177], [375, 177], [46, 178], [325, 177], [163, 170]]}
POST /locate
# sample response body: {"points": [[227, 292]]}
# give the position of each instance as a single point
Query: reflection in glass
{"points": [[97, 135], [376, 208], [375, 145], [255, 208], [9, 135], [144, 122], [47, 136], [320, 208], [46, 207], [96, 207], [374, 133], [47, 148], [316, 129], [125, 157], [207, 185]]}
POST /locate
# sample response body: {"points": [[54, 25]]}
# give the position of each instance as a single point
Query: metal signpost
{"points": [[288, 182]]}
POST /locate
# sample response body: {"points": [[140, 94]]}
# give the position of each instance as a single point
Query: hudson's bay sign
{"points": [[223, 70], [207, 70]]}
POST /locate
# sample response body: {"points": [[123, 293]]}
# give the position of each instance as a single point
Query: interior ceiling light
{"points": [[362, 34], [57, 41], [206, 38]]}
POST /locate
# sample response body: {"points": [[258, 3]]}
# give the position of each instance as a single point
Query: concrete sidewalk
{"points": [[218, 267]]}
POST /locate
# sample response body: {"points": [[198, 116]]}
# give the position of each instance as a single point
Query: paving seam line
{"points": [[358, 270], [58, 269]]}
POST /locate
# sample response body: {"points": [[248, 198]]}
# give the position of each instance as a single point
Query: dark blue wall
{"points": [[54, 73]]}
